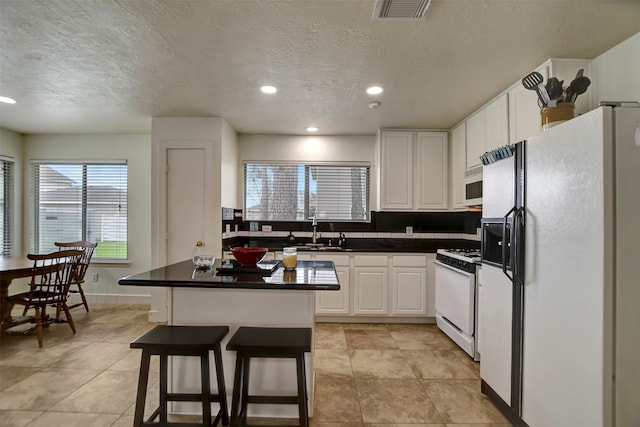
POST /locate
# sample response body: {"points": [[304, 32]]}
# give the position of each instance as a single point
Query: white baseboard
{"points": [[112, 299]]}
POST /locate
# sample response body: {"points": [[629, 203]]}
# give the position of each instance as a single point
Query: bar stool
{"points": [[167, 341], [250, 342]]}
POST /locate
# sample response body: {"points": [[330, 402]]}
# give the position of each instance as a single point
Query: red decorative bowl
{"points": [[248, 257]]}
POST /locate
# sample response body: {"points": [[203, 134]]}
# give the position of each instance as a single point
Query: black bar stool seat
{"points": [[167, 341], [249, 342]]}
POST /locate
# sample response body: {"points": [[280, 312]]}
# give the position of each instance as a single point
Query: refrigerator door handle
{"points": [[507, 245]]}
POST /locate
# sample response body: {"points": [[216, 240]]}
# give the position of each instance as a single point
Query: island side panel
{"points": [[244, 307]]}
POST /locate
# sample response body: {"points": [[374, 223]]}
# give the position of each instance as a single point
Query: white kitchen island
{"points": [[281, 299]]}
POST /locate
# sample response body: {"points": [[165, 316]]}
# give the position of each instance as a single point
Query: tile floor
{"points": [[367, 375]]}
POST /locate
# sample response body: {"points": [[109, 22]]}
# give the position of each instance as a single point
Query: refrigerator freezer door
{"points": [[568, 282], [495, 330], [498, 181]]}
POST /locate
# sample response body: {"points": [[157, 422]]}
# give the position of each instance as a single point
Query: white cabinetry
{"points": [[486, 130], [457, 138], [413, 170], [335, 302], [370, 285], [409, 285], [431, 285], [524, 112]]}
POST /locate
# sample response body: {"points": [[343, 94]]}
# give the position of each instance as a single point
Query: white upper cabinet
{"points": [[487, 129], [414, 170], [457, 137]]}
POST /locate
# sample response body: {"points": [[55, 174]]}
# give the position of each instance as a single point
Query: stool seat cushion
{"points": [[164, 337], [266, 340]]}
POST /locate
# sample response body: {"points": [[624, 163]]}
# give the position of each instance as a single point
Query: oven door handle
{"points": [[457, 270]]}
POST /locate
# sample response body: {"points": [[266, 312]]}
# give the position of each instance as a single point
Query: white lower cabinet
{"points": [[335, 302], [370, 285], [409, 285]]}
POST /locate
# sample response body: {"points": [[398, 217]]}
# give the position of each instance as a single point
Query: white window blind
{"points": [[296, 192], [6, 206], [80, 201]]}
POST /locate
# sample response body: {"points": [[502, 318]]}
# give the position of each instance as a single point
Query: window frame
{"points": [[307, 205], [85, 203], [8, 200]]}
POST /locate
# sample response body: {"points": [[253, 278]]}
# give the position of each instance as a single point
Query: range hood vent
{"points": [[401, 9]]}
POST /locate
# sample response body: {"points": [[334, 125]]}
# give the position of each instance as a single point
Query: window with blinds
{"points": [[297, 192], [80, 201], [6, 206]]}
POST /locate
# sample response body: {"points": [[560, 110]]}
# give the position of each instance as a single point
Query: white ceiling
{"points": [[95, 66]]}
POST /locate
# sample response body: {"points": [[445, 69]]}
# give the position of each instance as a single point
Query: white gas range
{"points": [[456, 296]]}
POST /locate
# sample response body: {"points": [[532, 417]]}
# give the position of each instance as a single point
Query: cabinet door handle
{"points": [[199, 243]]}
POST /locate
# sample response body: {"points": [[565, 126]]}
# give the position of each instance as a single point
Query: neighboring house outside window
{"points": [[80, 201]]}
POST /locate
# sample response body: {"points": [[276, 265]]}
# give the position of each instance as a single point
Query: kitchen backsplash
{"points": [[423, 225]]}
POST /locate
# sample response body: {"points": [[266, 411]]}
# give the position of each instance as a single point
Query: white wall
{"points": [[616, 73], [229, 167], [136, 150], [347, 148], [12, 147]]}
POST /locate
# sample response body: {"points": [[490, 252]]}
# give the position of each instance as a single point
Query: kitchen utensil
{"points": [[578, 86], [533, 81], [203, 262], [554, 88]]}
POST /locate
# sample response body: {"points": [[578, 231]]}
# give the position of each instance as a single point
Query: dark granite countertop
{"points": [[308, 276], [359, 245]]}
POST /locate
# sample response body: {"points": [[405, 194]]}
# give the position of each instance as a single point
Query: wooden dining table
{"points": [[11, 268]]}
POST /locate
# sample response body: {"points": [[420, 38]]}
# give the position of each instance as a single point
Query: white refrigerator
{"points": [[560, 320]]}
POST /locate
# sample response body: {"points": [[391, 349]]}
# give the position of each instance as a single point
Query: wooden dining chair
{"points": [[88, 249], [52, 274]]}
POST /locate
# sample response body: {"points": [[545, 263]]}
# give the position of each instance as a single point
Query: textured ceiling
{"points": [[109, 66]]}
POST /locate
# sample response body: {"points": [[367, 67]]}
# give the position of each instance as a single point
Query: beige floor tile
{"points": [[128, 333], [336, 401], [96, 355], [110, 392], [379, 364], [478, 425], [369, 339], [413, 327], [17, 418], [386, 401], [48, 355], [422, 339], [365, 326], [10, 375], [73, 419], [332, 363], [330, 339], [44, 389], [123, 421], [460, 401], [313, 423], [441, 364], [405, 425]]}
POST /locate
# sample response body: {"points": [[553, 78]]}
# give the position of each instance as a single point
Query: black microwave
{"points": [[495, 235]]}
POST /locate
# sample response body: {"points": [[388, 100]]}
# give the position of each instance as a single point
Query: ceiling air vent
{"points": [[401, 9]]}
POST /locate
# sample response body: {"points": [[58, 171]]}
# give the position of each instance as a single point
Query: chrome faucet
{"points": [[314, 223]]}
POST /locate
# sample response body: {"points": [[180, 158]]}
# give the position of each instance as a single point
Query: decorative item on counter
{"points": [[249, 257], [556, 102], [289, 258], [497, 154], [203, 262]]}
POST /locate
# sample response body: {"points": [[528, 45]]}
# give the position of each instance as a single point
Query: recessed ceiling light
{"points": [[312, 129], [374, 90], [7, 100], [268, 89]]}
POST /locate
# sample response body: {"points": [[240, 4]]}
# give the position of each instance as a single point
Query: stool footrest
{"points": [[168, 424], [278, 400], [191, 397]]}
